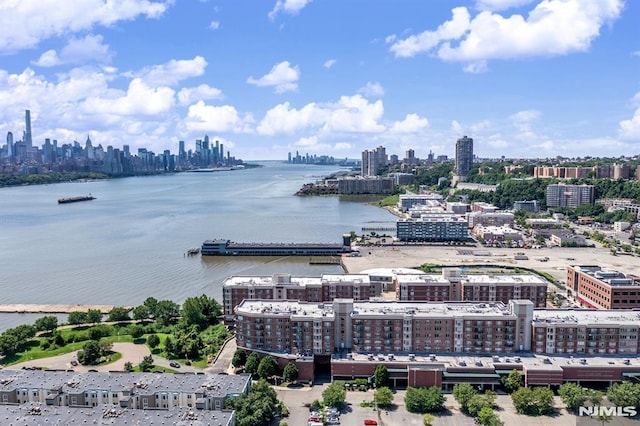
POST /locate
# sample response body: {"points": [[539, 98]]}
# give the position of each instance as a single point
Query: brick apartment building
{"points": [[383, 327], [596, 288], [451, 285], [441, 344], [409, 285]]}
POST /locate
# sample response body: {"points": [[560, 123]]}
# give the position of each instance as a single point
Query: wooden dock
{"points": [[30, 308]]}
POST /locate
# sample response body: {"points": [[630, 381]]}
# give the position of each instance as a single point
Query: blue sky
{"points": [[524, 78]]}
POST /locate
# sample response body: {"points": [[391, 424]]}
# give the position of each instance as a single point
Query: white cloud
{"points": [[349, 114], [291, 7], [140, 99], [189, 95], [282, 77], [636, 53], [496, 5], [214, 25], [426, 41], [282, 119], [372, 90], [412, 123], [173, 71], [552, 28], [354, 114], [456, 128], [630, 129], [26, 23], [329, 63], [77, 51], [476, 67], [207, 118]]}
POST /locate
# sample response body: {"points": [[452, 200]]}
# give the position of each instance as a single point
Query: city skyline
{"points": [[523, 78]]}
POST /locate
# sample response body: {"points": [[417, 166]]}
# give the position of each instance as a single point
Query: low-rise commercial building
{"points": [[596, 288]]}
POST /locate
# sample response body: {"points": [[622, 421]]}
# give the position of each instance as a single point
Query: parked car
{"points": [[370, 422], [74, 362], [333, 421], [174, 364]]}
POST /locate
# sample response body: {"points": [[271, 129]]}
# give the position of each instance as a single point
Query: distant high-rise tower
{"points": [[9, 144], [28, 140], [373, 161], [464, 156]]}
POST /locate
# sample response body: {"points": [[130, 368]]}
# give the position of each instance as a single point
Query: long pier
{"points": [[31, 308]]}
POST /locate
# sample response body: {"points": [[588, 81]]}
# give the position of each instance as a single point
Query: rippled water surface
{"points": [[130, 242]]}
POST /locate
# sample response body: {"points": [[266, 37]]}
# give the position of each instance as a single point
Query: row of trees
{"points": [[480, 406], [264, 368]]}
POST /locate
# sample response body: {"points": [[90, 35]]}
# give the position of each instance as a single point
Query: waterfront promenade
{"points": [[33, 308]]}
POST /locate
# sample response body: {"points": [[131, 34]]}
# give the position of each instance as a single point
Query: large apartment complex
{"points": [[377, 327], [408, 285], [562, 195], [383, 327], [596, 288]]}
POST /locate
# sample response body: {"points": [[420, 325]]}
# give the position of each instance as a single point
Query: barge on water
{"points": [[221, 247], [76, 199]]}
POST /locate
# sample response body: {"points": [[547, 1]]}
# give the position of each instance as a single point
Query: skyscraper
{"points": [[10, 144], [27, 134], [464, 157]]}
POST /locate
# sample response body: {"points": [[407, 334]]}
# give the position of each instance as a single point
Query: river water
{"points": [[130, 242]]}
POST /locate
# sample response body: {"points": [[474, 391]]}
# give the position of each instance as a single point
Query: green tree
{"points": [[94, 316], [128, 366], [424, 400], [383, 397], [625, 394], [151, 303], [136, 331], [140, 312], [258, 408], [573, 395], [267, 367], [487, 417], [463, 393], [381, 375], [290, 373], [118, 313], [90, 353], [201, 311], [513, 381], [146, 364], [46, 323], [166, 311], [533, 402], [427, 419], [251, 366], [75, 318], [239, 358], [334, 395], [480, 401], [153, 341]]}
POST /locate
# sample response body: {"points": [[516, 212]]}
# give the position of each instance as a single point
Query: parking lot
{"points": [[297, 401]]}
